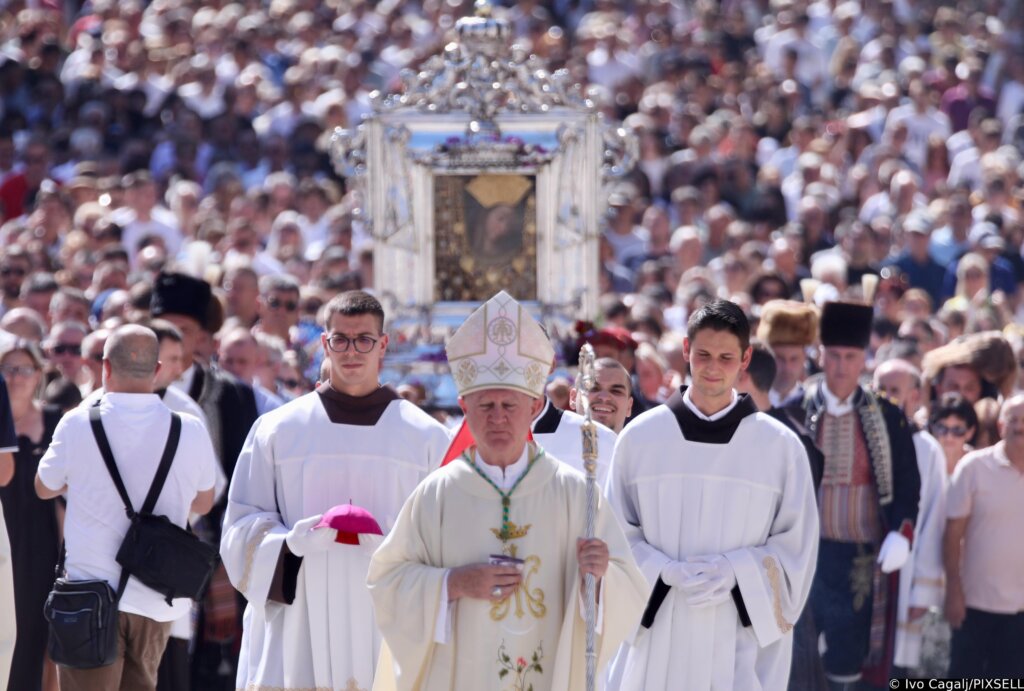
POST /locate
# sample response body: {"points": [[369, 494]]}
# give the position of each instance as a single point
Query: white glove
{"points": [[894, 552], [305, 539], [676, 572], [713, 582]]}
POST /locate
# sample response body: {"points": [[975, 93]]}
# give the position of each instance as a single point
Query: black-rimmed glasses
{"points": [[340, 344]]}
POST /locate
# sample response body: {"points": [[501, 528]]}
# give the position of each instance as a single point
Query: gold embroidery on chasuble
{"points": [[774, 579], [526, 597]]}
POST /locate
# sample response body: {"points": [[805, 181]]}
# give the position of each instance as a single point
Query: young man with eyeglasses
{"points": [[352, 442], [921, 579]]}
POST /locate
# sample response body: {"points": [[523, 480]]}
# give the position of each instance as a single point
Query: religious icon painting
{"points": [[485, 236]]}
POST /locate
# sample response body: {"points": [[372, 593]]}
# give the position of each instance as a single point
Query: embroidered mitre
{"points": [[500, 346]]}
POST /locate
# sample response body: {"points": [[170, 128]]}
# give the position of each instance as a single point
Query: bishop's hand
{"points": [[305, 538], [592, 556], [484, 581]]}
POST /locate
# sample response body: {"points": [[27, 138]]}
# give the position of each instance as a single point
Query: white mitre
{"points": [[500, 346]]}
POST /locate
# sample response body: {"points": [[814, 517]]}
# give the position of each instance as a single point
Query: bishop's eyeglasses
{"points": [[340, 343]]}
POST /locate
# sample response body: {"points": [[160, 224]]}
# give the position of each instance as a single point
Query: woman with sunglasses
{"points": [[32, 523], [955, 424]]}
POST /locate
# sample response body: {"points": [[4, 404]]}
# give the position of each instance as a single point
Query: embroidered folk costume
{"points": [[532, 510], [868, 503]]}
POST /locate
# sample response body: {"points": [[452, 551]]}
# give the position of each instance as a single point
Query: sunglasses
{"points": [[12, 271], [289, 383], [940, 430], [66, 349], [288, 305]]}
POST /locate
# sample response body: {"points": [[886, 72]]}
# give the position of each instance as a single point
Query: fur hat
{"points": [[988, 353], [175, 293], [787, 322], [846, 324]]}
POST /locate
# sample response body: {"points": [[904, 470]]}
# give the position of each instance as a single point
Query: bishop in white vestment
{"points": [[309, 623], [720, 511], [478, 586]]}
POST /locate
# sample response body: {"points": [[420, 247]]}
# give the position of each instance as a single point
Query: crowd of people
{"points": [[167, 164]]}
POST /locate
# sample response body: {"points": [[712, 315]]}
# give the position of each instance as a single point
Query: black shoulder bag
{"points": [[165, 557], [82, 618]]}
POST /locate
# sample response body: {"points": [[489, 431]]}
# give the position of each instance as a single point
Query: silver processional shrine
{"points": [[486, 172]]}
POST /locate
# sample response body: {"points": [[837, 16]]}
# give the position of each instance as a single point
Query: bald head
{"points": [[900, 382], [132, 352], [1011, 427]]}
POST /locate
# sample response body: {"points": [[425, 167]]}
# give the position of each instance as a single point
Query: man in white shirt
{"points": [[96, 521]]}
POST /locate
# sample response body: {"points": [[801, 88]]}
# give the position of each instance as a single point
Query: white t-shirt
{"points": [[137, 426]]}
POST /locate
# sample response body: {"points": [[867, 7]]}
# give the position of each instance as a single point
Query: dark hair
{"points": [[352, 304], [62, 393], [720, 315], [612, 363], [165, 331], [955, 404], [762, 367]]}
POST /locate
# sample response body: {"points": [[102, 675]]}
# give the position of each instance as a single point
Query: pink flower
{"points": [[521, 662]]}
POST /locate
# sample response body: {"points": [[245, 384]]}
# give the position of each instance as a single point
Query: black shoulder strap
{"points": [[108, 458], [154, 489], [170, 448]]}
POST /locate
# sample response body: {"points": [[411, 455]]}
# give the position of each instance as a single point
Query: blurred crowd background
{"points": [[787, 149]]}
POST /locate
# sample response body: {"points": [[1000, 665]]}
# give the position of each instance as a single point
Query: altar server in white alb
{"points": [[352, 446], [478, 585], [559, 433], [720, 511]]}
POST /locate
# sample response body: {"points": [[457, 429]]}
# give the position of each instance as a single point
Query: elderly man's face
{"points": [[1011, 421], [500, 420], [899, 388]]}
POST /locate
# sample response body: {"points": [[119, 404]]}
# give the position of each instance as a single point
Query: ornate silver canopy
{"points": [[486, 170]]}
